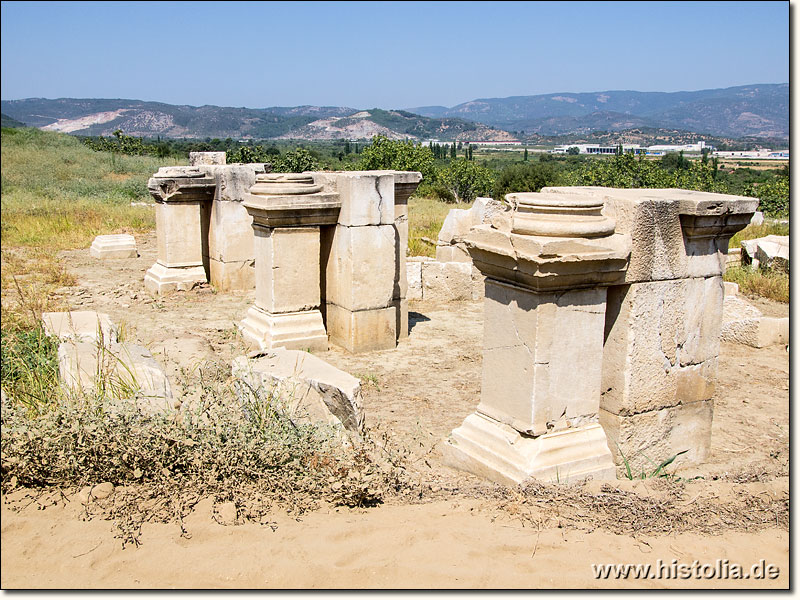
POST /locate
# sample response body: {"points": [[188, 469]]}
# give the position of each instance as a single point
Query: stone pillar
{"points": [[361, 270], [405, 184], [663, 324], [182, 195], [287, 212], [544, 319]]}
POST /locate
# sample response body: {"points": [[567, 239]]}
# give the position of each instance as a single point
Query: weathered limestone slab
{"points": [[772, 252], [227, 276], [446, 281], [530, 345], [233, 182], [230, 232], [367, 198], [450, 245], [361, 269], [118, 370], [544, 314], [662, 344], [80, 325], [743, 323], [455, 253], [287, 211], [121, 245], [207, 158], [414, 278], [675, 233], [305, 387], [288, 279], [364, 330], [646, 439]]}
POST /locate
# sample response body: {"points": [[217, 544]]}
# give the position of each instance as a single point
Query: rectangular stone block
{"points": [[230, 236], [233, 181], [179, 233], [446, 281], [401, 306], [232, 276], [362, 268], [533, 343], [414, 278], [364, 330], [646, 439], [401, 250], [662, 344], [80, 325], [287, 269], [367, 198], [207, 158], [121, 245], [454, 253]]}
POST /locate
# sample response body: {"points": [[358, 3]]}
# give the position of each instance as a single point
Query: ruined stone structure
{"points": [[207, 216], [663, 321], [649, 353], [544, 314]]}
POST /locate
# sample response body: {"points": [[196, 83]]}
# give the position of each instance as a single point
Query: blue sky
{"points": [[383, 54]]}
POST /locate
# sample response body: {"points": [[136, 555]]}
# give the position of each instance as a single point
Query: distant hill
{"points": [[7, 121], [753, 110], [151, 119], [745, 111]]}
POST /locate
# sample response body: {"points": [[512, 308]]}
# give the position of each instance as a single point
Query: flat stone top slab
{"points": [[282, 363], [689, 202], [81, 325], [114, 239]]}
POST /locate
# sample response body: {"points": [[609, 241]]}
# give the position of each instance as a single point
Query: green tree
{"points": [[453, 150], [773, 196], [467, 180], [525, 157], [404, 155], [573, 150], [525, 177]]}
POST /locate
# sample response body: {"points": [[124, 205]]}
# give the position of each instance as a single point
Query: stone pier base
{"points": [[494, 451], [160, 279], [302, 330]]}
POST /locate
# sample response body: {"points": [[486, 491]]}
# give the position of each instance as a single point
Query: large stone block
{"points": [[207, 158], [114, 246], [80, 325], [446, 281], [646, 439], [303, 330], [118, 370], [303, 386], [362, 268], [454, 253], [532, 343], [230, 276], [230, 236], [367, 198], [662, 344], [743, 323], [401, 249], [233, 182], [160, 279], [414, 278], [364, 330], [288, 269], [179, 233]]}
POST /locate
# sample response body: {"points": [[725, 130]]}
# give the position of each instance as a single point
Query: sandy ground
{"points": [[418, 393]]}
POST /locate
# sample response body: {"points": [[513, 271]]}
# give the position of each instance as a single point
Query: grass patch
{"points": [[58, 194], [767, 283], [752, 232], [425, 218]]}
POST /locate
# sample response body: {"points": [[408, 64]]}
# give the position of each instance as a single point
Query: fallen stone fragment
{"points": [[120, 245], [772, 252], [306, 388], [80, 325], [121, 372], [743, 323]]}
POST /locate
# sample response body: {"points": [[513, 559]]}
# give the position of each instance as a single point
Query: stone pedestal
{"points": [[183, 195], [287, 212], [544, 321], [663, 324]]}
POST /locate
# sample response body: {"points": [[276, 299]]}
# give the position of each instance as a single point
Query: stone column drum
{"points": [[544, 319], [287, 211], [182, 195]]}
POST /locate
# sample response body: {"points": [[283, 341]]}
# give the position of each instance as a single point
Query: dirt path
{"points": [[417, 393]]}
